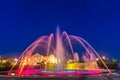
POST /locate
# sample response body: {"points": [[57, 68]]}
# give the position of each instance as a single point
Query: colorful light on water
{"points": [[56, 54]]}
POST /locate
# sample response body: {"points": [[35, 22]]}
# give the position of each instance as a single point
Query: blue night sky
{"points": [[23, 21]]}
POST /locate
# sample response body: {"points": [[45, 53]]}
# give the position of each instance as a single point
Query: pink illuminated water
{"points": [[62, 47]]}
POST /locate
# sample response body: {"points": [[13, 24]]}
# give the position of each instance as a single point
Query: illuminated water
{"points": [[59, 54]]}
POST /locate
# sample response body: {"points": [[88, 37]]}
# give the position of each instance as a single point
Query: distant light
{"points": [[15, 59], [24, 63], [103, 57], [12, 74], [4, 61], [53, 59], [97, 59]]}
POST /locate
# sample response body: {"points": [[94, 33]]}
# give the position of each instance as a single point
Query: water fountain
{"points": [[59, 54]]}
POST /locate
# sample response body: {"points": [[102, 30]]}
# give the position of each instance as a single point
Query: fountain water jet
{"points": [[56, 56]]}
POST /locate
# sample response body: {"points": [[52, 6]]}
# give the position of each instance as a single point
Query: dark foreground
{"points": [[82, 77]]}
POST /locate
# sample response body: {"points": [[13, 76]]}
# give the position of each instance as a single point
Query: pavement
{"points": [[85, 77]]}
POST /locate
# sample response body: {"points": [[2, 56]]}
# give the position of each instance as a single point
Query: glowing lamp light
{"points": [[103, 57], [97, 59], [15, 59], [12, 74]]}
